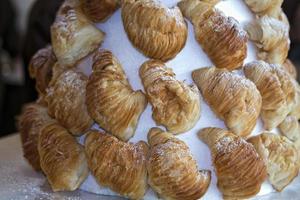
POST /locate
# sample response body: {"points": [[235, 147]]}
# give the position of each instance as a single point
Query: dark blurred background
{"points": [[25, 28]]}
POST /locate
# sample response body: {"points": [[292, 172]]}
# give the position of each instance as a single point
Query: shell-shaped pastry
{"points": [[173, 173], [221, 37], [290, 127], [69, 34], [295, 111], [99, 10], [280, 156], [62, 159], [175, 104], [161, 36], [117, 165], [277, 91], [239, 169], [271, 37], [32, 119], [232, 97], [111, 101], [290, 68], [66, 99]]}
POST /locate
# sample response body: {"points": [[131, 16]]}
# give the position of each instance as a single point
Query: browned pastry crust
{"points": [[62, 159], [280, 156], [290, 128], [73, 35], [32, 119], [116, 164], [239, 169], [233, 98], [175, 104], [219, 36], [111, 101], [66, 98], [290, 68], [173, 173], [161, 36]]}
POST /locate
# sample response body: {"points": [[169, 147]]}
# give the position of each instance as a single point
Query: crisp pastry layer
{"points": [[161, 36], [232, 97], [240, 170], [173, 173], [220, 36], [280, 156], [111, 101], [62, 159], [175, 104], [117, 165], [290, 68]]}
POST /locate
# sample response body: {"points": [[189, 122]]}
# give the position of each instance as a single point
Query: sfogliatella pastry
{"points": [[232, 97], [111, 101], [161, 36], [280, 156], [62, 159], [31, 121], [69, 34], [99, 10], [173, 173], [290, 68], [117, 165], [175, 104], [66, 99], [290, 128], [219, 36], [239, 169], [276, 88]]}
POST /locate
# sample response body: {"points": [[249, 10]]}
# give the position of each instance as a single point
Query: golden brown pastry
{"points": [[73, 36], [239, 169], [117, 165], [66, 99], [271, 37], [295, 111], [290, 128], [173, 173], [277, 91], [219, 36], [290, 68], [111, 101], [99, 10], [62, 159], [161, 36], [233, 98], [175, 104], [280, 156], [32, 119]]}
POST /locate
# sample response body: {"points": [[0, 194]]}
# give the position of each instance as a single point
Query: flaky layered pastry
{"points": [[277, 91], [290, 128], [232, 97], [117, 165], [175, 104], [66, 99], [73, 36], [219, 36], [280, 156], [239, 169], [161, 36], [62, 159], [271, 37], [173, 173], [111, 101], [290, 68]]}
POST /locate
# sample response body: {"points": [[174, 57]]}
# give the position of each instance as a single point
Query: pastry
{"points": [[280, 156], [290, 128], [290, 68], [69, 34], [232, 97], [277, 91], [173, 173], [117, 165], [175, 104], [295, 111], [62, 159], [220, 36], [99, 10], [32, 119], [66, 98], [239, 169], [161, 36], [111, 101]]}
